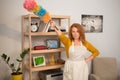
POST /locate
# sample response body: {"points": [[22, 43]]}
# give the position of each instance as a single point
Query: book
{"points": [[46, 27], [41, 26]]}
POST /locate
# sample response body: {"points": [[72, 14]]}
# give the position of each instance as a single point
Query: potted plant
{"points": [[16, 71]]}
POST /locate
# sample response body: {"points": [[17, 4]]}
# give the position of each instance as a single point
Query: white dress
{"points": [[75, 67]]}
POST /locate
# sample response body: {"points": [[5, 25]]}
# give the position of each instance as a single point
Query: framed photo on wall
{"points": [[92, 23]]}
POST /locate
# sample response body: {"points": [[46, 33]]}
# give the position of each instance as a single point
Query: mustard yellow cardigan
{"points": [[67, 43]]}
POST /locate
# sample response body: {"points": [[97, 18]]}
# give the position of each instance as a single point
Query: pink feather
{"points": [[29, 4]]}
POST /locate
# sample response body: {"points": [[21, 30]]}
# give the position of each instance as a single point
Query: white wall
{"points": [[107, 41]]}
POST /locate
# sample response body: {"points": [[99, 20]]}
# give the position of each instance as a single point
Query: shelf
{"points": [[28, 37], [53, 16], [43, 33], [47, 67], [60, 17], [47, 51]]}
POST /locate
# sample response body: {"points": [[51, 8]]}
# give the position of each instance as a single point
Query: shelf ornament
{"points": [[32, 6]]}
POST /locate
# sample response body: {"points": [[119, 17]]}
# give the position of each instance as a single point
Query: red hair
{"points": [[80, 29]]}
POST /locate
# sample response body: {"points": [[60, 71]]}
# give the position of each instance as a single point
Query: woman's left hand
{"points": [[88, 59]]}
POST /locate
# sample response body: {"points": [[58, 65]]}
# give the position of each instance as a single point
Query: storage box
{"points": [[55, 74]]}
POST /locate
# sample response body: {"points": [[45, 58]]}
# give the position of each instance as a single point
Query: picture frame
{"points": [[92, 23], [52, 43], [39, 61]]}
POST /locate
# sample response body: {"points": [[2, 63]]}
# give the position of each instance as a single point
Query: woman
{"points": [[76, 46]]}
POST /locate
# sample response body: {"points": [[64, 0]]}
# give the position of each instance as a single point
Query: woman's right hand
{"points": [[52, 24]]}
